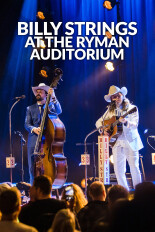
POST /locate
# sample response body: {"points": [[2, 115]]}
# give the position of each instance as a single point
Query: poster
{"points": [[80, 37]]}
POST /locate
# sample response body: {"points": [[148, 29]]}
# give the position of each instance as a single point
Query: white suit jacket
{"points": [[130, 131]]}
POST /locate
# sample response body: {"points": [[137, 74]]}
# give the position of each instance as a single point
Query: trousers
{"points": [[31, 163], [121, 154]]}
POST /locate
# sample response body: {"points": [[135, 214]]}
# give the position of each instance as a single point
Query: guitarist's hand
{"points": [[106, 132], [122, 120], [36, 130]]}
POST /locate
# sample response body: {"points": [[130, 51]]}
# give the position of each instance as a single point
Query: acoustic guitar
{"points": [[114, 127]]}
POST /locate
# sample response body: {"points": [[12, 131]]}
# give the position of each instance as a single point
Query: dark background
{"points": [[85, 83]]}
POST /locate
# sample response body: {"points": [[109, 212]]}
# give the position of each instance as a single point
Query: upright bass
{"points": [[49, 158]]}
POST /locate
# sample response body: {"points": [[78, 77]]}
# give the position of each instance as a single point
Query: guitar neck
{"points": [[134, 109], [123, 116], [42, 124], [44, 114]]}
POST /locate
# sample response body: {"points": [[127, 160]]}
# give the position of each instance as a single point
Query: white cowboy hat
{"points": [[113, 90], [40, 86]]}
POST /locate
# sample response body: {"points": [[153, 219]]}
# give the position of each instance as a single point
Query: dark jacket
{"points": [[33, 119], [40, 214], [88, 215]]}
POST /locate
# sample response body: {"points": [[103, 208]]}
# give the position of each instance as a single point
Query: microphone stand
{"points": [[85, 144], [10, 133], [86, 152], [22, 142]]}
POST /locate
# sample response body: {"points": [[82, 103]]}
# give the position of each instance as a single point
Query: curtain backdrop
{"points": [[85, 82]]}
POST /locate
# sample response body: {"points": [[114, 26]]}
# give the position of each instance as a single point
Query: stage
{"points": [[76, 40]]}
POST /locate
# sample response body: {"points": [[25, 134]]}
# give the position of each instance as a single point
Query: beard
{"points": [[39, 98]]}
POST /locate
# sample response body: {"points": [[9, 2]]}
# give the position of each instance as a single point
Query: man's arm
{"points": [[132, 121], [99, 122], [55, 107]]}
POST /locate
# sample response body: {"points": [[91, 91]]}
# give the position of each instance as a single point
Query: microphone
{"points": [[21, 97], [20, 134], [152, 136], [113, 103], [17, 132]]}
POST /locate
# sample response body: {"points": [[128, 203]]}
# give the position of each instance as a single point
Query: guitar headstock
{"points": [[56, 77], [133, 110]]}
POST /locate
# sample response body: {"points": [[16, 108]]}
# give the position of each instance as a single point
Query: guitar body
{"points": [[51, 160], [114, 127], [113, 131]]}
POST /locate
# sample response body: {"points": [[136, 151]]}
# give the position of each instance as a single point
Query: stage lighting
{"points": [[42, 44], [109, 5], [108, 34], [111, 159], [110, 66], [146, 131], [40, 15], [44, 72]]}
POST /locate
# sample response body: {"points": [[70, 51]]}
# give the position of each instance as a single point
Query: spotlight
{"points": [[108, 34], [40, 15], [42, 44], [110, 66], [146, 131], [44, 72], [111, 159], [109, 5]]}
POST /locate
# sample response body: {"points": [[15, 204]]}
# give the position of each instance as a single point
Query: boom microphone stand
{"points": [[10, 133], [22, 142], [10, 129]]}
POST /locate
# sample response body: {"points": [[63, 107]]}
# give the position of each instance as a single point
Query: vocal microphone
{"points": [[21, 97], [17, 132], [20, 134], [113, 103], [152, 136]]}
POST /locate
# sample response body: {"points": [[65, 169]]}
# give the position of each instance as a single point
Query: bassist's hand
{"points": [[52, 93], [36, 130]]}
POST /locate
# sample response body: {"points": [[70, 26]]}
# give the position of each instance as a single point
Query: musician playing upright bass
{"points": [[33, 118], [128, 143]]}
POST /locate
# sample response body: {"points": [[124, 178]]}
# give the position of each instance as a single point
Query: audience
{"points": [[95, 209], [78, 201], [45, 214], [100, 226], [137, 214], [10, 206], [41, 211], [144, 206], [64, 221], [3, 187], [116, 192]]}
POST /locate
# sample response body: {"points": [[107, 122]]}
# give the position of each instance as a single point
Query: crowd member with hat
{"points": [[128, 143], [33, 119]]}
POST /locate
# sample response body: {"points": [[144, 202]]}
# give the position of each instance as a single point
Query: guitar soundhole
{"points": [[111, 130]]}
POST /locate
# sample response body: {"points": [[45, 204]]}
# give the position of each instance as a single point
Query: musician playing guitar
{"points": [[120, 121], [33, 119]]}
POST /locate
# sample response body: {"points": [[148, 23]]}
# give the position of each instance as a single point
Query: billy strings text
{"points": [[77, 40]]}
